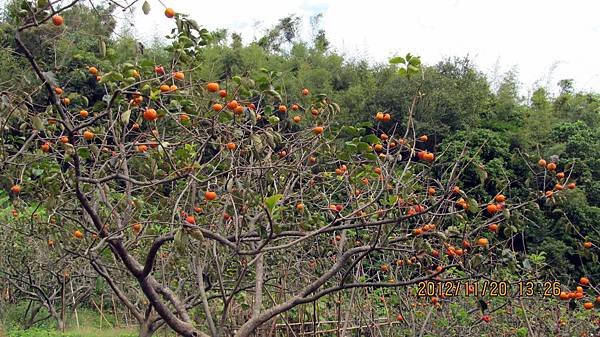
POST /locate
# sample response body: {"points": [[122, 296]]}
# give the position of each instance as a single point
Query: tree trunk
{"points": [[60, 324], [32, 316], [146, 330]]}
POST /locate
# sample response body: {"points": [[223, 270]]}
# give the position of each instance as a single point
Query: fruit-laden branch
{"points": [[54, 12], [149, 285], [38, 71]]}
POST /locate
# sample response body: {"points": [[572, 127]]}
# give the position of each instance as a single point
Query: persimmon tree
{"points": [[225, 203]]}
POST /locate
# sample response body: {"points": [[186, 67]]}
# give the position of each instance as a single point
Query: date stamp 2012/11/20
{"points": [[489, 288]]}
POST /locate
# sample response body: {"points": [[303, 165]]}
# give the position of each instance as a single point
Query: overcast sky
{"points": [[532, 36]]}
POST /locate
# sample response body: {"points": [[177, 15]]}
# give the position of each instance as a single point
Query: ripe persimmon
{"points": [[179, 75], [483, 242], [232, 104], [78, 234], [217, 107], [88, 135], [317, 130], [210, 195], [159, 70], [84, 113], [213, 87], [223, 93], [282, 108], [164, 88], [428, 156], [297, 119], [141, 148], [423, 138], [305, 92], [231, 146], [571, 186], [541, 163], [15, 189], [150, 114], [551, 166], [136, 227], [492, 208], [169, 12], [295, 107], [93, 71], [587, 244], [584, 281], [57, 20]]}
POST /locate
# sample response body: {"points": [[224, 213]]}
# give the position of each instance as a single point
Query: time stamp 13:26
{"points": [[488, 288]]}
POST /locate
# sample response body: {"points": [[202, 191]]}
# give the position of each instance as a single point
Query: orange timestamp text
{"points": [[489, 288]]}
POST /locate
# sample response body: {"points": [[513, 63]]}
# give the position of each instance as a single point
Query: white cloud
{"points": [[532, 35]]}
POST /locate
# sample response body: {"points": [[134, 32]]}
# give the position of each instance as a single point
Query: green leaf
{"points": [[37, 123], [371, 139], [111, 77], [146, 7], [102, 48], [349, 130], [271, 201], [415, 61], [125, 116], [473, 205], [362, 147], [397, 60], [274, 94], [351, 147]]}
